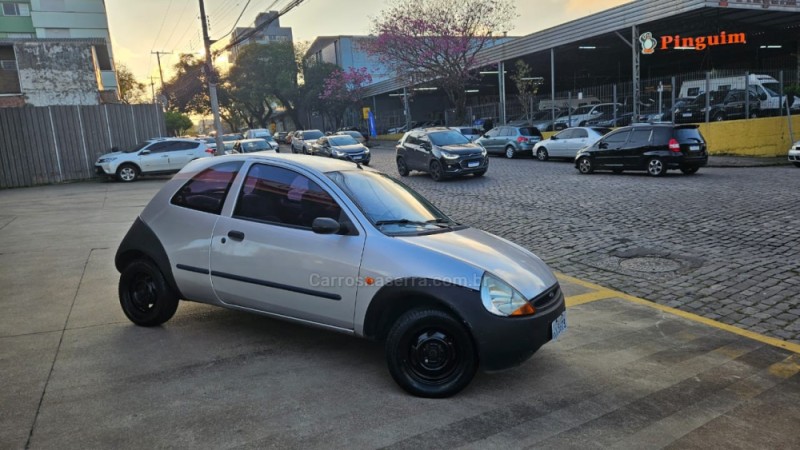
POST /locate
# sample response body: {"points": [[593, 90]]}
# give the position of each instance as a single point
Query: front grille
{"points": [[547, 297]]}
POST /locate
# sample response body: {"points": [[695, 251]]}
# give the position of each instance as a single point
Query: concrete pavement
{"points": [[76, 374]]}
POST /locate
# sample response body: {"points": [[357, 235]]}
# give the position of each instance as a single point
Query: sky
{"points": [[141, 27]]}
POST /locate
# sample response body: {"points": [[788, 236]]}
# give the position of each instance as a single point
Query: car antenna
{"points": [[358, 164]]}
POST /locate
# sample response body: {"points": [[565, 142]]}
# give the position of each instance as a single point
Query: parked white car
{"points": [[151, 157], [794, 154], [469, 132], [585, 113], [566, 143], [256, 133]]}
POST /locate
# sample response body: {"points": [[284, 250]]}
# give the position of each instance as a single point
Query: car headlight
{"points": [[338, 153], [483, 151], [366, 150], [105, 160], [448, 155], [500, 299]]}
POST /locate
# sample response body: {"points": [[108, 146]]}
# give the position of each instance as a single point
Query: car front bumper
{"points": [[465, 165], [104, 169], [794, 155]]}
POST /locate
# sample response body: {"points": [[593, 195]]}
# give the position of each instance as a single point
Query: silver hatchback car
{"points": [[333, 244]]}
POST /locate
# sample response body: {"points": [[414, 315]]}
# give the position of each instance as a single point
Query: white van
{"points": [[257, 133], [764, 86]]}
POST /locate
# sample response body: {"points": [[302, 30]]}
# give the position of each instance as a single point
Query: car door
{"points": [[155, 158], [578, 140], [264, 255], [609, 149], [734, 105], [555, 147], [489, 140], [180, 153], [633, 152], [413, 151]]}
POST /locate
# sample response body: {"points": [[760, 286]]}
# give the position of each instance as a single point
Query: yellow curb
{"points": [[576, 300], [609, 293]]}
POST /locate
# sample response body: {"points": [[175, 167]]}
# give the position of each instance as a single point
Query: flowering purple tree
{"points": [[436, 41], [343, 89]]}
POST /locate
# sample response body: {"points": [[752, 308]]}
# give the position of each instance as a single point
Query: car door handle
{"points": [[236, 235], [165, 156]]}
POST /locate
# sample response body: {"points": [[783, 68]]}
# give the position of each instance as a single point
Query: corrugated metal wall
{"points": [[61, 143]]}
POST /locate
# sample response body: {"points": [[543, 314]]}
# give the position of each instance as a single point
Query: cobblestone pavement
{"points": [[722, 243]]}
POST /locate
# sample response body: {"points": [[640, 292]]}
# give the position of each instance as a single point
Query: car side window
{"points": [[639, 138], [616, 139], [281, 196], [159, 147], [494, 132], [181, 145], [506, 131], [566, 134], [579, 134], [207, 190]]}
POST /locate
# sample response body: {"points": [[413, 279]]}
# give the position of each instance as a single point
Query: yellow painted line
{"points": [[786, 368], [686, 315], [576, 300]]}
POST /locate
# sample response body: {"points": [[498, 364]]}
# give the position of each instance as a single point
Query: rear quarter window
{"points": [[207, 190]]}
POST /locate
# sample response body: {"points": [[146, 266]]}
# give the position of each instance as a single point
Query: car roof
{"points": [[251, 140], [305, 161]]}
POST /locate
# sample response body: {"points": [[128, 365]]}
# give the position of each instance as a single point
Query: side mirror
{"points": [[325, 225], [554, 138], [602, 145], [763, 96], [144, 152], [426, 145]]}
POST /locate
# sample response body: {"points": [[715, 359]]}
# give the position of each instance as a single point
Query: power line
{"points": [[292, 4], [164, 20], [237, 20], [183, 14]]}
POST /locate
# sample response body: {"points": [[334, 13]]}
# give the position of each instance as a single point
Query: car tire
{"points": [[402, 168], [415, 336], [656, 167], [145, 297], [436, 170], [718, 118], [541, 154], [127, 173], [691, 170], [511, 152], [585, 165]]}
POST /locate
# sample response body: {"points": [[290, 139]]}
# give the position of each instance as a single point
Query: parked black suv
{"points": [[655, 148], [723, 105], [441, 152]]}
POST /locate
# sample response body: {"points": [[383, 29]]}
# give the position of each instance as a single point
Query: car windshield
{"points": [[443, 138], [772, 88], [391, 206], [543, 115], [136, 147], [342, 140], [583, 110], [309, 135], [230, 137], [254, 146], [602, 131]]}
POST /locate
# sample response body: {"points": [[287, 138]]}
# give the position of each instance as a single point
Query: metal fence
{"points": [[42, 145]]}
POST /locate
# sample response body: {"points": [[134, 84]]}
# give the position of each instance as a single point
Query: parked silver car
{"points": [[302, 140], [510, 140], [566, 143], [324, 242], [470, 133], [151, 157], [342, 146], [794, 154]]}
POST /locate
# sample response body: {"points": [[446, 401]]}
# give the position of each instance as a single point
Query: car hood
{"points": [[111, 155], [518, 267], [353, 148], [461, 148]]}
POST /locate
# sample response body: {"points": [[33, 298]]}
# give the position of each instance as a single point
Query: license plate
{"points": [[687, 114], [559, 325], [473, 164], [357, 158], [694, 148]]}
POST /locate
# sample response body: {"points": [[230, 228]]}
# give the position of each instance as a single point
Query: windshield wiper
{"points": [[442, 222], [436, 222]]}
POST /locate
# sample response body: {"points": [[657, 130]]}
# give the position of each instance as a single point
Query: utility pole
{"points": [[153, 88], [211, 76], [160, 71]]}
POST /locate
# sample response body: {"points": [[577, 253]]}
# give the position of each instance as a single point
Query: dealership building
{"points": [[630, 54]]}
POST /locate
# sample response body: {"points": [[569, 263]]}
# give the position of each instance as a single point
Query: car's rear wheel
{"points": [[797, 164], [511, 152], [585, 165], [430, 353], [145, 297], [656, 167], [127, 173], [718, 118], [690, 170], [541, 154], [436, 171], [402, 168]]}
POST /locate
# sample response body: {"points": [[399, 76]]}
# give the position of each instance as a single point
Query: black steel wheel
{"points": [[402, 168], [585, 165], [541, 154], [144, 294], [656, 167], [436, 170], [430, 353], [127, 173]]}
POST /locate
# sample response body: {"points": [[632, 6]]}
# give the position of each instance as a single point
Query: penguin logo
{"points": [[648, 43]]}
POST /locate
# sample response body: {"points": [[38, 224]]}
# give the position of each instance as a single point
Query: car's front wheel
{"points": [[430, 353], [436, 170], [144, 294], [585, 165], [656, 167], [127, 173], [511, 152], [402, 168], [541, 154]]}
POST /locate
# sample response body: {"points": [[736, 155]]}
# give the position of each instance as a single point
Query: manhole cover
{"points": [[650, 264]]}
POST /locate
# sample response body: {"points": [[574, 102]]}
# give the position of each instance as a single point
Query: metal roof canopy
{"points": [[657, 16]]}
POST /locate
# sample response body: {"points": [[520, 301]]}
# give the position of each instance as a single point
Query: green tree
{"points": [[130, 90], [177, 123], [186, 91]]}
